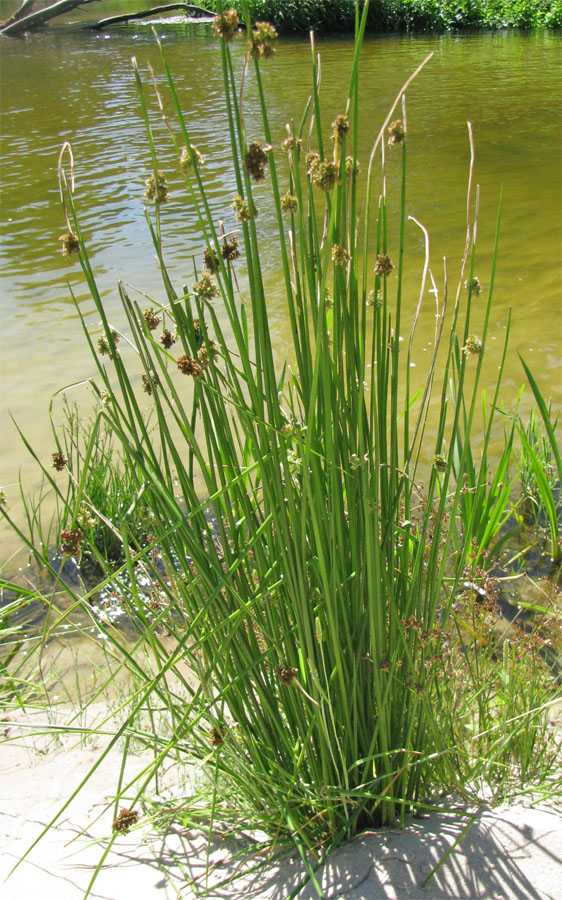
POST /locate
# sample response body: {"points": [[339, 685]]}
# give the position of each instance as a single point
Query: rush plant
{"points": [[301, 569]]}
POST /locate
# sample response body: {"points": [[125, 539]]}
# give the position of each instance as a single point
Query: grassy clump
{"points": [[338, 16], [314, 599]]}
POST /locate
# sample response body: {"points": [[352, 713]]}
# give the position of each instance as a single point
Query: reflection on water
{"points": [[77, 85]]}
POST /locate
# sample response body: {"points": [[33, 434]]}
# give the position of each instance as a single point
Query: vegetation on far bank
{"points": [[329, 16]]}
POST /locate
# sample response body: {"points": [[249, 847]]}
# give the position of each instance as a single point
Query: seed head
{"points": [[167, 338], [211, 260], [229, 249], [396, 133], [205, 355], [125, 821], [383, 265], [70, 243], [325, 175], [151, 319], [440, 463], [473, 346], [156, 188], [474, 286], [291, 143], [289, 202], [352, 166], [70, 541], [189, 366], [256, 160], [340, 127], [242, 209], [59, 460], [186, 158], [226, 25], [312, 160], [215, 737], [103, 345], [149, 382], [286, 674], [206, 288], [261, 43], [340, 255], [3, 498], [85, 519]]}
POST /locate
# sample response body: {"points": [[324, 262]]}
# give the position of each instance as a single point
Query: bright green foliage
{"points": [[332, 16]]}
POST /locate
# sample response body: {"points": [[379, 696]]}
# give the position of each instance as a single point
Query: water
{"points": [[69, 83]]}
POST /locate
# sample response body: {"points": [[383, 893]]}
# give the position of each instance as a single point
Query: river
{"points": [[68, 83]]}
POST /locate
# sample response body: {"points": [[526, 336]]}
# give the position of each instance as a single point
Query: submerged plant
{"points": [[311, 580]]}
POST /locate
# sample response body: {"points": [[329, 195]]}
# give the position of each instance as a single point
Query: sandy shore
{"points": [[508, 854]]}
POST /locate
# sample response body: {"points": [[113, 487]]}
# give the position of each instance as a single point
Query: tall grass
{"points": [[328, 603]]}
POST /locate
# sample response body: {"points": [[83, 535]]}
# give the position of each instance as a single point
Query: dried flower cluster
{"points": [[261, 43], [167, 338], [149, 382], [396, 133], [229, 249], [151, 319], [70, 540], [256, 160], [383, 265], [289, 202], [286, 674], [125, 821], [473, 346], [323, 174], [226, 25], [340, 127], [103, 344], [189, 366], [211, 260], [59, 460], [70, 243], [156, 188], [242, 209], [206, 288], [187, 159], [215, 737], [340, 255], [291, 143]]}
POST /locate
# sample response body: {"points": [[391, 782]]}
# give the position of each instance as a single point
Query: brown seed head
{"points": [[340, 127], [289, 203], [256, 160], [325, 175], [125, 821], [211, 260], [383, 265], [189, 366], [261, 43], [70, 243], [226, 24], [229, 249], [340, 255], [167, 338], [151, 319], [70, 541], [286, 674], [242, 209], [291, 143], [59, 460], [396, 133]]}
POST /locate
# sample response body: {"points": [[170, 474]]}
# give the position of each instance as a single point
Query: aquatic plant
{"points": [[323, 584]]}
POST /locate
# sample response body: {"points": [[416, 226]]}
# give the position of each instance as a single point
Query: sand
{"points": [[510, 853]]}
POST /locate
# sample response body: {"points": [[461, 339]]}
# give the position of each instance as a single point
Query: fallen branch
{"points": [[145, 13], [20, 22]]}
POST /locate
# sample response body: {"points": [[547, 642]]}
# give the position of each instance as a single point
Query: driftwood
{"points": [[23, 21], [26, 20], [145, 13]]}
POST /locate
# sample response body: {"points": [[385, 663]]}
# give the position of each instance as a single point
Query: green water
{"points": [[69, 83]]}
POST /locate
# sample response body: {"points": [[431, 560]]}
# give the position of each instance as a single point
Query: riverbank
{"points": [[512, 852], [338, 16]]}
